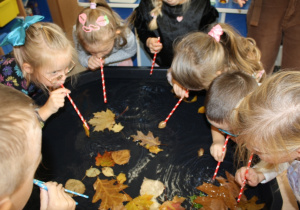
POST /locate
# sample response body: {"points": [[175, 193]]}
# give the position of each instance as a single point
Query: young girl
{"points": [[42, 57], [224, 94], [101, 35], [169, 19], [200, 57], [268, 123]]}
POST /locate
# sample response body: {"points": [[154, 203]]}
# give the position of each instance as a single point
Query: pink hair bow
{"points": [[101, 21], [216, 32]]}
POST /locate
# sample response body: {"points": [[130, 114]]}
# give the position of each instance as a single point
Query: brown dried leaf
{"points": [[146, 140], [109, 194], [175, 204], [75, 185], [121, 157]]}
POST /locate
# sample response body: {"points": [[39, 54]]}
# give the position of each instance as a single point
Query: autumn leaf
{"points": [[121, 178], [105, 119], [191, 101], [152, 187], [107, 171], [121, 157], [75, 185], [86, 130], [104, 160], [201, 110], [92, 172], [140, 202], [175, 204], [149, 142], [109, 194], [250, 204]]}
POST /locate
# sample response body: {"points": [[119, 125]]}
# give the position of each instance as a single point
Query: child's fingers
{"points": [[44, 199]]}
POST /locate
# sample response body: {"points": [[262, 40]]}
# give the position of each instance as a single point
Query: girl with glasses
{"points": [[41, 59]]}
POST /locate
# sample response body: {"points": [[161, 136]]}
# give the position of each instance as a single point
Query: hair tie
{"points": [[101, 21], [18, 33], [153, 15], [93, 5], [216, 32]]}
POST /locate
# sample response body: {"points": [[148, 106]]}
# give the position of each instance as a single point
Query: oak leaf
{"points": [[109, 193], [105, 119], [104, 160], [149, 141], [175, 204], [140, 202], [121, 157]]}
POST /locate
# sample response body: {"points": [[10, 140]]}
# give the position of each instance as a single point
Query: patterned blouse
{"points": [[11, 75]]}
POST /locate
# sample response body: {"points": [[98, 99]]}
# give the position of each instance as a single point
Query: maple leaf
{"points": [[121, 157], [140, 202], [250, 204], [175, 204], [104, 160], [109, 194], [149, 142], [105, 119]]}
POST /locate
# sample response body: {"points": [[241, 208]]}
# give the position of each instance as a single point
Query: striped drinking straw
{"points": [[154, 58], [223, 151], [244, 182], [103, 81], [41, 184], [77, 110]]}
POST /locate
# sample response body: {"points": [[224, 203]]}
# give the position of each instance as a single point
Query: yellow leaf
{"points": [[201, 110], [117, 127], [121, 178], [107, 171], [92, 172], [140, 202], [154, 149]]}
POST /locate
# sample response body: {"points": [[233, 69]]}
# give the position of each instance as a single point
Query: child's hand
{"points": [[55, 101], [56, 198], [241, 2], [154, 45], [95, 62], [253, 177], [216, 151], [180, 91]]}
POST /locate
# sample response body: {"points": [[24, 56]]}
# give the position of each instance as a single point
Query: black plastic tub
{"points": [[68, 152]]}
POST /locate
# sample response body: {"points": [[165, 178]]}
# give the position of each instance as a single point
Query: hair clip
{"points": [[17, 36], [216, 32], [93, 5], [154, 16], [101, 21]]}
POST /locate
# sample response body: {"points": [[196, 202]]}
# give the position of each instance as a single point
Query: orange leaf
{"points": [[104, 160], [109, 194], [175, 204]]}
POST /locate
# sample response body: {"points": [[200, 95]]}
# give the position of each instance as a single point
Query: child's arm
{"points": [[127, 51], [217, 146], [253, 177], [55, 101], [55, 198]]}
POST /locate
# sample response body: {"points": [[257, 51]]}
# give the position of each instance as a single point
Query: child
{"points": [[268, 123], [224, 94], [169, 19], [100, 35], [200, 57], [42, 57], [20, 154]]}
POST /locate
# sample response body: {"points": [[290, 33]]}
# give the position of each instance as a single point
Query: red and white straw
{"points": [[175, 107], [103, 81], [76, 109], [244, 182], [223, 151], [154, 58]]}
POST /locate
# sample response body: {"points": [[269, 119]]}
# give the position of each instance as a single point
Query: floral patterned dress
{"points": [[11, 75]]}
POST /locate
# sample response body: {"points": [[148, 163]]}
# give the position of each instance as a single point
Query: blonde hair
{"points": [[269, 118], [198, 57], [18, 126], [224, 94], [115, 30], [43, 42], [156, 11]]}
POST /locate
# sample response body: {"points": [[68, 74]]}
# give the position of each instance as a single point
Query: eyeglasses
{"points": [[224, 131], [68, 69]]}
